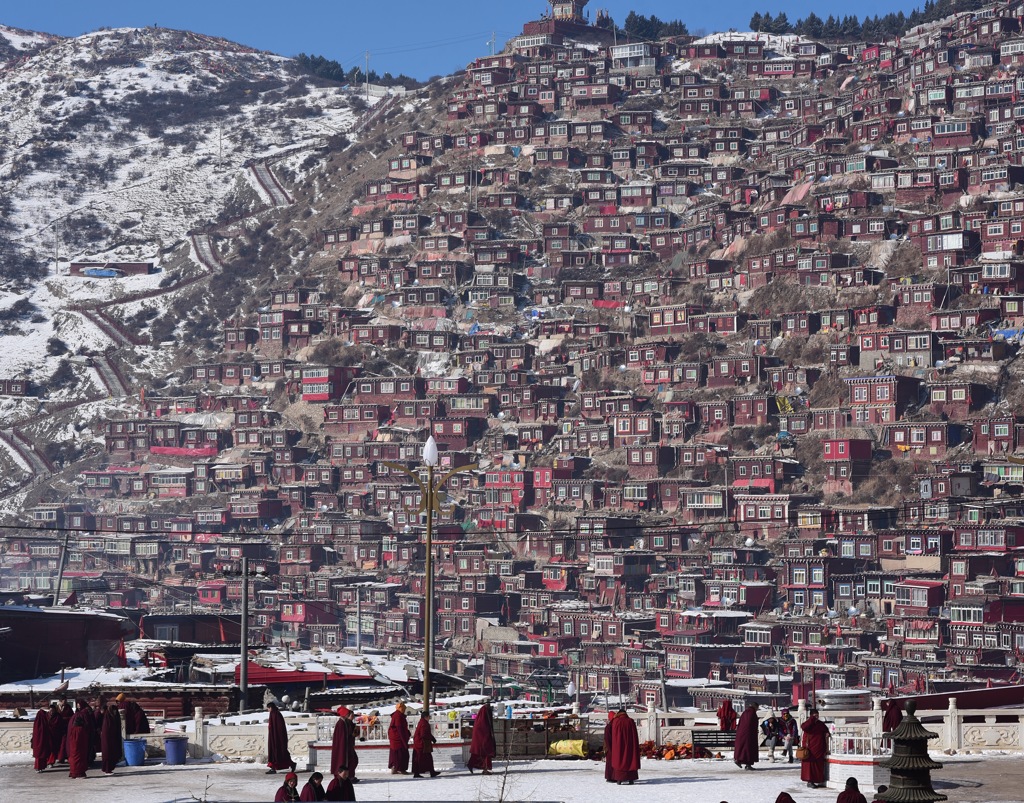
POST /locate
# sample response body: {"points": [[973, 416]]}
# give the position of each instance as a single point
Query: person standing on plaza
{"points": [[398, 742], [80, 740], [482, 748], [625, 749], [111, 745], [788, 733], [423, 749], [812, 766], [746, 750], [278, 757], [42, 740]]}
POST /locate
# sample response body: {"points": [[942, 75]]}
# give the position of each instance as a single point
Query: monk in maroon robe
{"points": [[111, 745], [289, 790], [278, 757], [340, 789], [314, 789], [746, 751], [58, 735], [784, 797], [423, 749], [812, 768], [625, 755], [893, 716], [80, 740], [398, 742], [852, 793], [65, 711], [42, 741], [135, 719], [608, 748], [482, 748], [343, 748], [726, 716]]}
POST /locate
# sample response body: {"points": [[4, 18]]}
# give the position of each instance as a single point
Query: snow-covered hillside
{"points": [[114, 144]]}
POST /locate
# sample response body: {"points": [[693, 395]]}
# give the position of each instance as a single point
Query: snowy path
{"points": [[110, 376], [205, 253], [270, 185]]}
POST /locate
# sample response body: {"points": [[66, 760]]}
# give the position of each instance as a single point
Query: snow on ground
{"points": [[569, 781]]}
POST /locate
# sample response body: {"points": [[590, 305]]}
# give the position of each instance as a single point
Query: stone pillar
{"points": [[801, 711], [201, 744], [876, 723], [954, 736], [653, 731]]}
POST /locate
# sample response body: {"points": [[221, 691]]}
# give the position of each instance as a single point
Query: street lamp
{"points": [[430, 494]]}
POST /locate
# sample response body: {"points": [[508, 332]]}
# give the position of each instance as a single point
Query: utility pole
{"points": [[359, 621], [60, 570], [243, 669], [493, 41], [428, 644], [367, 76]]}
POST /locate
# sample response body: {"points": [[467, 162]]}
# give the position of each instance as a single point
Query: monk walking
{"points": [[343, 750], [482, 748], [111, 746], [58, 735], [812, 768], [625, 744], [80, 736], [746, 751], [65, 712], [398, 742], [423, 749], [42, 741], [278, 757]]}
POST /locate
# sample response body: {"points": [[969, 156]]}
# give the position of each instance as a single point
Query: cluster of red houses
{"points": [[673, 478]]}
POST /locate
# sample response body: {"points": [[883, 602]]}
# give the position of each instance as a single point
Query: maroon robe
{"points": [[726, 716], [135, 719], [58, 735], [42, 741], [80, 741], [422, 748], [851, 796], [398, 741], [67, 713], [343, 748], [482, 748], [278, 757], [340, 789], [893, 716], [812, 768], [746, 751], [111, 746], [608, 750], [625, 753], [312, 792], [286, 794]]}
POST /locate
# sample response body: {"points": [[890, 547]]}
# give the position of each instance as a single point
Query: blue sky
{"points": [[417, 37]]}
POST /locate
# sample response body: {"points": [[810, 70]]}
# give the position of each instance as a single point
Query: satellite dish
{"points": [[750, 542]]}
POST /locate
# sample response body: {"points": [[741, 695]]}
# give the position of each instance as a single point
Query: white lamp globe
{"points": [[430, 452]]}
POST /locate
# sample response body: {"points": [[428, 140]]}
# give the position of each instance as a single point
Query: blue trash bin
{"points": [[135, 752], [174, 748]]}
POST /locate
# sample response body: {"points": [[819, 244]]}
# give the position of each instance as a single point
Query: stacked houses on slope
{"points": [[728, 327]]}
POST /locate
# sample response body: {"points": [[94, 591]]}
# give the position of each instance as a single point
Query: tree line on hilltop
{"points": [[870, 28]]}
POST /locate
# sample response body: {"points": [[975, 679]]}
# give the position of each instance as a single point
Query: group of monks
{"points": [[814, 745], [345, 760], [62, 735]]}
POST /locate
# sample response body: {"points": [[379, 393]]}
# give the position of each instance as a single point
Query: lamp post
{"points": [[430, 495]]}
